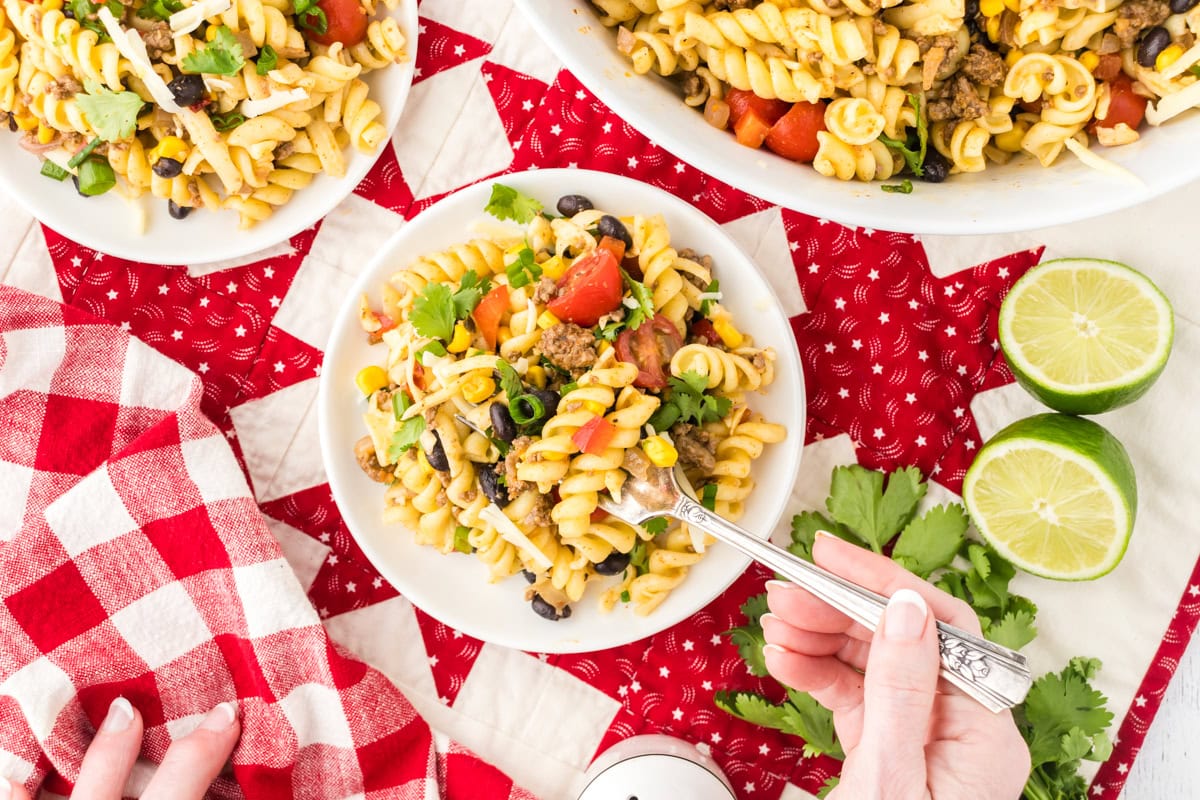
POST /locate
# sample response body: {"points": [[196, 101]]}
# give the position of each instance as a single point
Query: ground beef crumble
{"points": [[545, 291], [1134, 16], [697, 447], [984, 66], [568, 346], [515, 485], [64, 88], [158, 40], [957, 100]]}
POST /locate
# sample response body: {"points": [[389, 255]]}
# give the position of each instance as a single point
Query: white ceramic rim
{"points": [[1003, 199], [345, 478], [189, 241]]}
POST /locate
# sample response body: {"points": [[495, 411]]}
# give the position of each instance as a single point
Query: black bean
{"points": [[1180, 6], [611, 226], [68, 12], [436, 455], [167, 167], [550, 400], [571, 204], [1153, 42], [547, 611], [972, 16], [936, 167], [615, 564], [489, 481], [502, 422], [12, 123], [187, 89], [528, 576], [177, 211]]}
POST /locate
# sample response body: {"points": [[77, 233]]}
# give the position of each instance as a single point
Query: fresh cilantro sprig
{"points": [[508, 203], [410, 430], [688, 401], [510, 381], [159, 9], [113, 115], [912, 150], [221, 56], [639, 558], [84, 12], [438, 307], [644, 310], [524, 270], [1063, 718], [655, 525]]}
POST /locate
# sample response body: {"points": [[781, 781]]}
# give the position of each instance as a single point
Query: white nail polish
{"points": [[120, 714], [220, 718], [776, 649], [784, 585], [905, 616]]}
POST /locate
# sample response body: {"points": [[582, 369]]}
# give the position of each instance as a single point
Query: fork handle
{"points": [[996, 676]]}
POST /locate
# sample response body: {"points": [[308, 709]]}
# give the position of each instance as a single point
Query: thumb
{"points": [[899, 690]]}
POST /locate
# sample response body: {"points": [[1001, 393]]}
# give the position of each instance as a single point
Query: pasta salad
{"points": [[531, 370], [876, 89], [215, 104]]}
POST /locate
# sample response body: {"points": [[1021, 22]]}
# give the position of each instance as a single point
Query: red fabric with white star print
{"points": [[893, 356]]}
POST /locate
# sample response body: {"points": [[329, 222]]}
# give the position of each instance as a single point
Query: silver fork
{"points": [[995, 676]]}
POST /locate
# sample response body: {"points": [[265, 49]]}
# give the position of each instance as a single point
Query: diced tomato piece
{"points": [[488, 313], [651, 348], [1109, 67], [741, 101], [751, 130], [614, 246], [1123, 105], [591, 288], [419, 375], [794, 136], [594, 435], [599, 514], [703, 330], [346, 22]]}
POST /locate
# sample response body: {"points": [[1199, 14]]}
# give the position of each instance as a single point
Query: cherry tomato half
{"points": [[794, 136], [1123, 105], [488, 313], [741, 101], [590, 289], [650, 347], [704, 331], [346, 22]]}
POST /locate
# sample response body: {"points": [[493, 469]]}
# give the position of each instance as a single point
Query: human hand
{"points": [[188, 769], [906, 736]]}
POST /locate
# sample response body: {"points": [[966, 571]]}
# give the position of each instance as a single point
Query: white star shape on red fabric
{"points": [[1194, 590], [706, 686], [377, 582], [1139, 701], [922, 355], [680, 167], [877, 369], [527, 105], [910, 398], [606, 127], [622, 690], [177, 335], [324, 537], [556, 129], [433, 661], [830, 347], [763, 749], [663, 671], [459, 50], [877, 433], [873, 274], [920, 441], [1002, 272], [278, 366], [843, 392], [913, 304], [716, 639], [580, 95], [716, 738], [1122, 768], [352, 587], [885, 317], [333, 560], [749, 787], [1097, 789], [231, 287], [677, 713], [958, 412], [274, 301], [949, 291], [125, 327], [202, 367], [688, 644], [112, 294], [632, 162], [970, 445], [76, 261], [839, 304], [635, 687], [240, 330], [814, 268], [204, 302], [164, 289], [962, 370], [856, 344], [951, 330]]}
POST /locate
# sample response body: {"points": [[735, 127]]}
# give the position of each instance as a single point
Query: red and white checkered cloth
{"points": [[141, 567]]}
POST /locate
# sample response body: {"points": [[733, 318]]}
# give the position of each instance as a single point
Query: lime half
{"points": [[1055, 495], [1085, 336]]}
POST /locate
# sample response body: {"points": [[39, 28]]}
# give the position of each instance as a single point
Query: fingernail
{"points": [[220, 718], [120, 714], [905, 617], [767, 615], [825, 535], [774, 648], [784, 585], [5, 789]]}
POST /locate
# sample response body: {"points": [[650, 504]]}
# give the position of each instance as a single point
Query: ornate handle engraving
{"points": [[957, 655]]}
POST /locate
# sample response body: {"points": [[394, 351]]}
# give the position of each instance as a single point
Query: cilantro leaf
{"points": [[221, 56], [1056, 704], [159, 9], [434, 348], [1084, 667], [524, 270], [800, 715], [828, 786], [644, 310], [903, 187], [858, 500], [706, 305], [609, 331], [432, 314], [508, 203], [113, 114], [268, 59], [750, 643], [688, 401], [913, 152], [1014, 630], [930, 541], [471, 290], [461, 544], [510, 381], [804, 532], [84, 12], [406, 436], [639, 558], [655, 525]]}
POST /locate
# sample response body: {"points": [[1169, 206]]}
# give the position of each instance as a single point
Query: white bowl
{"points": [[107, 223], [1017, 196], [454, 588]]}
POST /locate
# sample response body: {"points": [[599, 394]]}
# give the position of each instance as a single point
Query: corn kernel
{"points": [[1010, 141], [1168, 57], [991, 8], [594, 406], [537, 376], [45, 134], [603, 348], [1090, 60], [730, 335], [371, 379], [210, 33], [1012, 57], [553, 268], [26, 122], [170, 147], [504, 335], [660, 452], [426, 467], [547, 320], [461, 339], [478, 388], [52, 5], [993, 28]]}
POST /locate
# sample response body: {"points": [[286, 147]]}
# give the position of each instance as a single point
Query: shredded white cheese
{"points": [[130, 44], [1173, 104], [187, 20], [216, 84], [509, 531], [1183, 63], [716, 296], [530, 316], [272, 102], [629, 302], [1099, 163]]}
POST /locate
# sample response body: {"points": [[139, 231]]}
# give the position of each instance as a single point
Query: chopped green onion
{"points": [[95, 177], [461, 543], [516, 408], [79, 157], [904, 187], [267, 60], [625, 596], [52, 170], [708, 496], [319, 26], [227, 122], [568, 388]]}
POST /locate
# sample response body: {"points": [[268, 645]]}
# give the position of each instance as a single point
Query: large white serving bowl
{"points": [[1020, 195], [454, 588], [109, 224]]}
